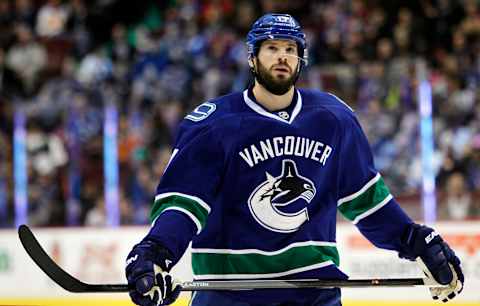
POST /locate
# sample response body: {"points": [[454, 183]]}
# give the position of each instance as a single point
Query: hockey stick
{"points": [[70, 283]]}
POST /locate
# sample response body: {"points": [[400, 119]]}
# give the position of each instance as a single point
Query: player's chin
{"points": [[282, 76]]}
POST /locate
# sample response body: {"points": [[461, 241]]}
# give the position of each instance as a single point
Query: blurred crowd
{"points": [[63, 62]]}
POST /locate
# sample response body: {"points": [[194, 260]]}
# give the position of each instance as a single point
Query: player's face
{"points": [[277, 63]]}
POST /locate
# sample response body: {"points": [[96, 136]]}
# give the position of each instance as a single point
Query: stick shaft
{"points": [[72, 284], [299, 284]]}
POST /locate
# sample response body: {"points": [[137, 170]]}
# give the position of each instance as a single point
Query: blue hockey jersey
{"points": [[257, 192]]}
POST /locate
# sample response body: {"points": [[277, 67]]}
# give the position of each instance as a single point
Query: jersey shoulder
{"points": [[213, 110], [316, 99], [215, 114]]}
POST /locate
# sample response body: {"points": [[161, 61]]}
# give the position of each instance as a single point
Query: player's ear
{"points": [[250, 62]]}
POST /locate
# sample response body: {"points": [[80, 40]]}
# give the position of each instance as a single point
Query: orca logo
{"points": [[281, 191]]}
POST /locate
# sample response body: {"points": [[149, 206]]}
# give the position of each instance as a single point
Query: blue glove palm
{"points": [[146, 271], [437, 260]]}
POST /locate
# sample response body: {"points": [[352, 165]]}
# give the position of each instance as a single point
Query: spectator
{"points": [[52, 19], [458, 203], [94, 67], [46, 150], [24, 12], [120, 52], [5, 177], [160, 60], [26, 58], [78, 29], [472, 163], [97, 215], [6, 23]]}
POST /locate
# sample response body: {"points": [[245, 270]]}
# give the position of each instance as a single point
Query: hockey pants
{"points": [[327, 297]]}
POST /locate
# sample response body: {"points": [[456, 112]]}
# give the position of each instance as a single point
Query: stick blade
{"points": [[46, 264], [57, 274]]}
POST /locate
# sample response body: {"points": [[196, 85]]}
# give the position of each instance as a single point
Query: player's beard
{"points": [[275, 86]]}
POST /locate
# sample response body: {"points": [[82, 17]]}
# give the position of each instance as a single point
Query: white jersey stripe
{"points": [[189, 214], [257, 108], [373, 209], [341, 101], [360, 192], [261, 252]]}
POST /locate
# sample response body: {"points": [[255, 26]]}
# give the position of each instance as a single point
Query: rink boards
{"points": [[184, 302], [97, 256]]}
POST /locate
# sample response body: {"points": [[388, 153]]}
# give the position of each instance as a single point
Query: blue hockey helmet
{"points": [[276, 26]]}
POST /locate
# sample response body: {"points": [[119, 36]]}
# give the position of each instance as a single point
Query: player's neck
{"points": [[270, 101]]}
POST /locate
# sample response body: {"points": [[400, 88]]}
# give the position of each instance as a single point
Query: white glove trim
{"points": [[161, 293], [437, 290]]}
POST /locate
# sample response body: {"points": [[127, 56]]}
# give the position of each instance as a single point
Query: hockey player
{"points": [[255, 182]]}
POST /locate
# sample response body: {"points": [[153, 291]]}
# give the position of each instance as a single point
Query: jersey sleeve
{"points": [[363, 197], [187, 189]]}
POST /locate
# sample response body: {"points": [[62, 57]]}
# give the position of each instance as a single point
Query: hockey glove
{"points": [[149, 282], [436, 258]]}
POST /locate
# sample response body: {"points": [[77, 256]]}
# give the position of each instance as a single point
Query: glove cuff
{"points": [[157, 253], [416, 239]]}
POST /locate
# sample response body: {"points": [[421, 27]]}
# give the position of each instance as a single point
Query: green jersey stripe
{"points": [[193, 198], [360, 192], [265, 275], [196, 211], [366, 202], [373, 209], [239, 263]]}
